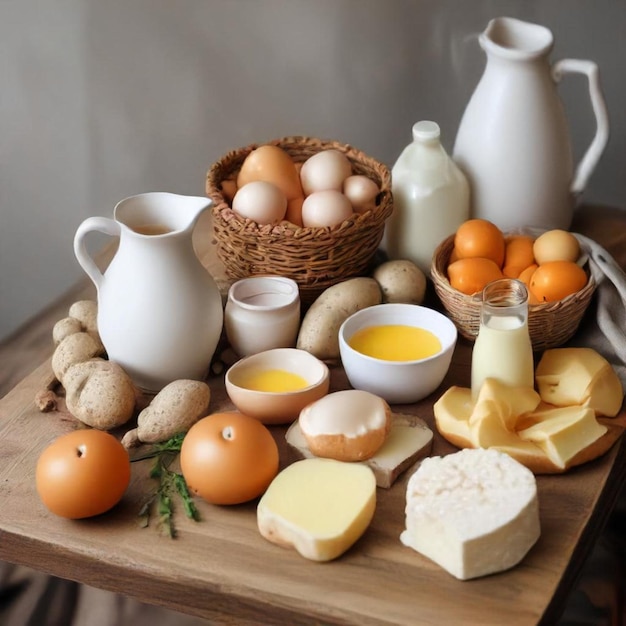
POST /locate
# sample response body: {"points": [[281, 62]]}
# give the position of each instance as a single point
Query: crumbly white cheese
{"points": [[474, 512]]}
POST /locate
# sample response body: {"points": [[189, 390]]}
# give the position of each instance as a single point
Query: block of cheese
{"points": [[474, 512], [409, 440], [582, 376], [319, 507], [563, 432]]}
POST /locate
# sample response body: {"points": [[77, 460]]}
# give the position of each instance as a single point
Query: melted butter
{"points": [[395, 342], [274, 381]]}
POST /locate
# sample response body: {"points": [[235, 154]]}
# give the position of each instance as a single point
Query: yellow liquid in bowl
{"points": [[274, 381], [395, 342]]}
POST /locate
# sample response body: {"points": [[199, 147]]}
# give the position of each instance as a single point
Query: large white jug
{"points": [[513, 141], [159, 311]]}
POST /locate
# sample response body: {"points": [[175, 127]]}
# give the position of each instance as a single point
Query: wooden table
{"points": [[222, 569]]}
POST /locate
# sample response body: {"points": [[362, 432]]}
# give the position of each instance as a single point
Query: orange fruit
{"points": [[525, 277], [555, 280], [228, 458], [480, 238], [518, 255], [470, 275]]}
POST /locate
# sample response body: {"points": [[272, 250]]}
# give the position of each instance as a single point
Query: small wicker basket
{"points": [[550, 324], [315, 258]]}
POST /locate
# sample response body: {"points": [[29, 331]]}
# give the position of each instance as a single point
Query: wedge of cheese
{"points": [[319, 507], [474, 512], [563, 432], [579, 376]]}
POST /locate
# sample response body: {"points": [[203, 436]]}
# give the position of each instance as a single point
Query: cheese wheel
{"points": [[348, 425], [320, 507], [474, 512]]}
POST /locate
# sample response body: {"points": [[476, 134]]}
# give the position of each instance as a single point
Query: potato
{"points": [[65, 327], [86, 312], [173, 410], [75, 348], [99, 393], [319, 331], [401, 281]]}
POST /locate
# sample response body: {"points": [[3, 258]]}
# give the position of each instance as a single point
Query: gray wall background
{"points": [[102, 100]]}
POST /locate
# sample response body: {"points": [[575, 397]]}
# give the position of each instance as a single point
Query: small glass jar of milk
{"points": [[261, 313], [503, 349]]}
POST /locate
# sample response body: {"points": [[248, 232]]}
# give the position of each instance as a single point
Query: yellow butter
{"points": [[319, 507]]}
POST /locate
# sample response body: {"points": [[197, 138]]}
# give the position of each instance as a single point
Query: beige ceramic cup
{"points": [[261, 313]]}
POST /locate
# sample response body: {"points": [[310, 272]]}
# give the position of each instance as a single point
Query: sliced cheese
{"points": [[474, 512], [579, 376], [563, 432], [496, 412], [452, 412], [319, 507], [409, 440], [508, 402]]}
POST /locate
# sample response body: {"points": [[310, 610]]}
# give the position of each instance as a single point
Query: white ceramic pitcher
{"points": [[160, 312], [513, 140]]}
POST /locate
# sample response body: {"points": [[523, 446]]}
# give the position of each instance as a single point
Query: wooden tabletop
{"points": [[222, 569]]}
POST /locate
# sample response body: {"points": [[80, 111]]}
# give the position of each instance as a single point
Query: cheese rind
{"points": [[319, 507], [474, 512]]}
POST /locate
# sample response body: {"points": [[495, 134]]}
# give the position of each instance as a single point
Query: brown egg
{"points": [[271, 164], [556, 245]]}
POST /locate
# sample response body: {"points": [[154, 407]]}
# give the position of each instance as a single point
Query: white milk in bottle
{"points": [[503, 349], [430, 198]]}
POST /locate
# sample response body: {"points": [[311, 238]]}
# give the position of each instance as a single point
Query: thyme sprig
{"points": [[169, 482]]}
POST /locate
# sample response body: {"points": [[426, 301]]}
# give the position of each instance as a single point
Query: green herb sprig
{"points": [[170, 482]]}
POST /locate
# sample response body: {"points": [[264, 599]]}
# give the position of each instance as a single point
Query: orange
{"points": [[228, 458], [555, 280], [518, 255], [469, 276], [525, 277], [480, 238]]}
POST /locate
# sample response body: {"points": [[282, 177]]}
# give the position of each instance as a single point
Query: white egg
{"points": [[325, 208], [261, 202], [361, 191], [325, 170]]}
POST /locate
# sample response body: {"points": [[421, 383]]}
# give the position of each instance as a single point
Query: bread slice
{"points": [[409, 440]]}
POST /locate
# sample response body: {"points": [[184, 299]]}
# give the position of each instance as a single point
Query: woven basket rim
{"points": [[237, 223], [550, 323]]}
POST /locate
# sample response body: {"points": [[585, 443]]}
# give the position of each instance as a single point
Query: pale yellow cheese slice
{"points": [[563, 432], [579, 376], [319, 507]]}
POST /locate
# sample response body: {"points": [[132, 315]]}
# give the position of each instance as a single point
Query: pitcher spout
{"points": [[175, 212]]}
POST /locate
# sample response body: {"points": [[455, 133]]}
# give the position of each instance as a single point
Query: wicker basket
{"points": [[315, 258], [550, 324]]}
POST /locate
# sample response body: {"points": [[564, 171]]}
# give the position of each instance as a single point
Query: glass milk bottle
{"points": [[503, 349], [430, 196]]}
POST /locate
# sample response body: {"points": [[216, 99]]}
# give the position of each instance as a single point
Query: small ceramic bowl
{"points": [[398, 382], [277, 407]]}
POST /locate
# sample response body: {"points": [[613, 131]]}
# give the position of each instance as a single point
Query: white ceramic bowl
{"points": [[398, 382], [277, 407]]}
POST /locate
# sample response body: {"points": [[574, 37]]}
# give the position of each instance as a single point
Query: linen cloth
{"points": [[604, 325]]}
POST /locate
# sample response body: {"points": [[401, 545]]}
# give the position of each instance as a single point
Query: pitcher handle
{"points": [[91, 224], [596, 147]]}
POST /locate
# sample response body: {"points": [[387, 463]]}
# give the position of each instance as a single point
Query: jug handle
{"points": [[596, 147], [91, 224]]}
